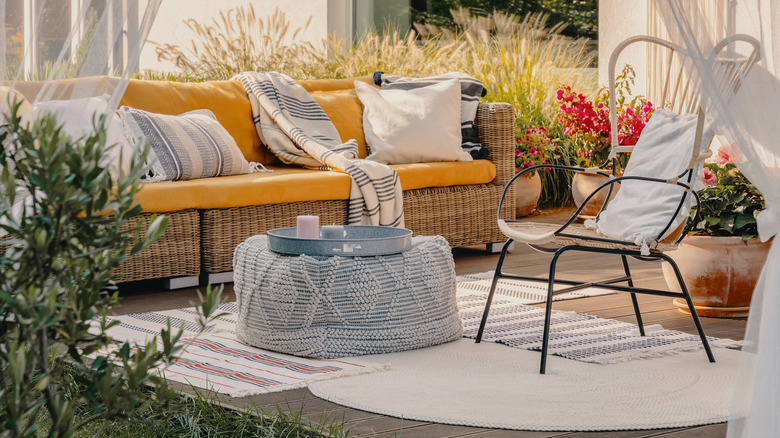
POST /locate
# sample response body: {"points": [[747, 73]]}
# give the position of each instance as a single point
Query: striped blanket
{"points": [[297, 130]]}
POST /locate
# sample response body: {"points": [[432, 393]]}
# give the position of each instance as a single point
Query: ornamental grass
{"points": [[521, 60]]}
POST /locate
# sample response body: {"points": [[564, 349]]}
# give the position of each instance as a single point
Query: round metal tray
{"points": [[359, 241]]}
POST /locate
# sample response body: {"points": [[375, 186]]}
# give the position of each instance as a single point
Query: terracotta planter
{"points": [[720, 273], [528, 188], [583, 184]]}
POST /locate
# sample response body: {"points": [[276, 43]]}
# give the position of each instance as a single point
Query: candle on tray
{"points": [[332, 232], [308, 227]]}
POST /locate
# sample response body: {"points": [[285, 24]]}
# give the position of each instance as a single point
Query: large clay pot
{"points": [[528, 188], [720, 273], [583, 184]]}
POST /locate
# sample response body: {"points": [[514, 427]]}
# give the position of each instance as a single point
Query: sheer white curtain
{"points": [[748, 120], [51, 41], [79, 53]]}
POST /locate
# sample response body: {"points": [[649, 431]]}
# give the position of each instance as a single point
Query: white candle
{"points": [[332, 232], [308, 227]]}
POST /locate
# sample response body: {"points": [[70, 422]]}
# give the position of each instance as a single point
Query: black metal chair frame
{"points": [[683, 180]]}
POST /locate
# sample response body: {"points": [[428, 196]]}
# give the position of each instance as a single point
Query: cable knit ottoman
{"points": [[328, 307]]}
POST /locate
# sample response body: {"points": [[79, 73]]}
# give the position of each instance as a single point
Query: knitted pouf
{"points": [[328, 307]]}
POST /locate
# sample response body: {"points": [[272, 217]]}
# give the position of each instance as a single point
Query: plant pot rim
{"points": [[724, 240], [527, 174]]}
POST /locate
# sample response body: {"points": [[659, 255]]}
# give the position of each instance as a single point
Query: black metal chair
{"points": [[558, 239]]}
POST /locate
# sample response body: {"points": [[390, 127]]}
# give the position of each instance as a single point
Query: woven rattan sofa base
{"points": [[460, 213], [223, 230], [175, 254]]}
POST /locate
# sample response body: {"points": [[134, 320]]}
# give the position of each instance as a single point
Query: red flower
{"points": [[723, 157], [710, 179]]}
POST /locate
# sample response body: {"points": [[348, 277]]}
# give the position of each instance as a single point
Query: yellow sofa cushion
{"points": [[334, 84], [229, 102], [346, 112], [338, 99], [292, 184]]}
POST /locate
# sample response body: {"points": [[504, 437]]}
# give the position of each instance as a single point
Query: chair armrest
{"points": [[495, 124]]}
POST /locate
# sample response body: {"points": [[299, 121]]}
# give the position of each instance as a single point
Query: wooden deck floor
{"points": [[148, 296]]}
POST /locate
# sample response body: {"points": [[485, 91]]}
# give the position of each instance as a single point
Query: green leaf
{"points": [[727, 223], [744, 220]]}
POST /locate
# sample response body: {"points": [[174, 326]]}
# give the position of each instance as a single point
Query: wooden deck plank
{"points": [[379, 424], [499, 433], [430, 430], [622, 434], [709, 431]]}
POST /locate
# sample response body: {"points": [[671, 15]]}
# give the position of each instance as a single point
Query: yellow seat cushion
{"points": [[444, 173], [292, 184], [283, 185]]}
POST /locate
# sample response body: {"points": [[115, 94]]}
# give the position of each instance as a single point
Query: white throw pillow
{"points": [[77, 116], [413, 126], [642, 209]]}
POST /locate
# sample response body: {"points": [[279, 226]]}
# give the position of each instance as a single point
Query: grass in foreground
{"points": [[200, 415]]}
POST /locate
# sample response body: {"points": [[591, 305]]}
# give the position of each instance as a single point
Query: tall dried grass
{"points": [[520, 60], [237, 40]]}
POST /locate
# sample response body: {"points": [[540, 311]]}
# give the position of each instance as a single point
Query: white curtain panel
{"points": [[748, 120], [51, 42]]}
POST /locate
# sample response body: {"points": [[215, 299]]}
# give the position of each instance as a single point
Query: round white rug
{"points": [[495, 386]]}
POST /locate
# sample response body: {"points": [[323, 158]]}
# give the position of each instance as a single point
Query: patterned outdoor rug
{"points": [[523, 292], [218, 361], [577, 336]]}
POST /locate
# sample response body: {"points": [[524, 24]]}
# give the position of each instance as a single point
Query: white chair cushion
{"points": [[642, 209]]}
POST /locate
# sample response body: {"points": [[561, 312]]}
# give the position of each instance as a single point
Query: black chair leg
{"points": [[633, 297], [692, 309], [548, 310], [496, 276]]}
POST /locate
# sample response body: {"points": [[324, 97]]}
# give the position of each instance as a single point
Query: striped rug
{"points": [[577, 336], [218, 361]]}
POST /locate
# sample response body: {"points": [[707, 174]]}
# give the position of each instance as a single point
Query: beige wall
{"points": [[618, 20]]}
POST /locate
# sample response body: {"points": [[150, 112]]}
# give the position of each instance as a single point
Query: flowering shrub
{"points": [[729, 202], [533, 147], [587, 122]]}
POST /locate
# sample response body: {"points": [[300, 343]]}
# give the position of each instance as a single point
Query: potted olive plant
{"points": [[721, 258]]}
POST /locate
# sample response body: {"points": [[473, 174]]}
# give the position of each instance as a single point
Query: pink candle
{"points": [[308, 227]]}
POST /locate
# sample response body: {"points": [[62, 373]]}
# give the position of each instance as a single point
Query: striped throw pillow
{"points": [[188, 146], [471, 90]]}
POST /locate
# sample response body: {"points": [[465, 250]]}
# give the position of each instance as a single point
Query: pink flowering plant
{"points": [[729, 202], [533, 147], [587, 125]]}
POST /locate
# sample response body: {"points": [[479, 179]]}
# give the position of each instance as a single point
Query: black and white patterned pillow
{"points": [[471, 90], [187, 146]]}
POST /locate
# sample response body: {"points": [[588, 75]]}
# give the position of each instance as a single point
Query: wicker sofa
{"points": [[203, 233]]}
